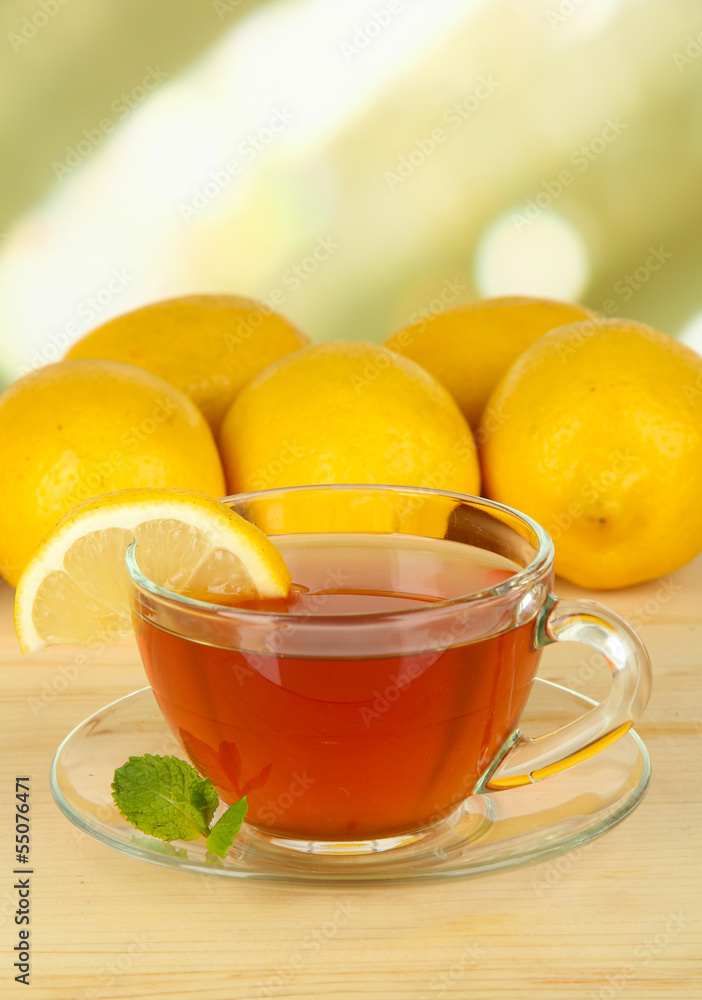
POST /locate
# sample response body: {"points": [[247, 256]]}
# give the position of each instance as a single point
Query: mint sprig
{"points": [[166, 798], [221, 836]]}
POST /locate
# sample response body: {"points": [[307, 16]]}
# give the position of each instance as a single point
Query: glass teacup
{"points": [[387, 689]]}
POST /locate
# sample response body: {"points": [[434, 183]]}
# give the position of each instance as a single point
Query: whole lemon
{"points": [[347, 412], [596, 432], [469, 348], [78, 429], [208, 346]]}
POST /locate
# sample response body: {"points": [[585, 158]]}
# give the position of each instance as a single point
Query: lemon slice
{"points": [[76, 588]]}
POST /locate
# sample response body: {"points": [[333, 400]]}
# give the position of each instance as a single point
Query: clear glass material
{"points": [[362, 732], [490, 832]]}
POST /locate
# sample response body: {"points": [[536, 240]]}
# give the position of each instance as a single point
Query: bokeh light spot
{"points": [[542, 255], [691, 333]]}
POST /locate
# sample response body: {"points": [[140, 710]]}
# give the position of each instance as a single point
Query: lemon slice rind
{"points": [[76, 588]]}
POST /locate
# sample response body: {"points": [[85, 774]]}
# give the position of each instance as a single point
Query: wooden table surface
{"points": [[619, 920]]}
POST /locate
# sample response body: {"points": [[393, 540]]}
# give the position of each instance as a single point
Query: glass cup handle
{"points": [[526, 760]]}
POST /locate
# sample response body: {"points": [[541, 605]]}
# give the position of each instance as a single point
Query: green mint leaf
{"points": [[224, 831], [164, 797], [159, 847], [205, 798]]}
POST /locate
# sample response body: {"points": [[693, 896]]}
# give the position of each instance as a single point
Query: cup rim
{"points": [[524, 579]]}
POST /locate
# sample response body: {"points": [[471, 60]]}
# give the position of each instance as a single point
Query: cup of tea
{"points": [[367, 706]]}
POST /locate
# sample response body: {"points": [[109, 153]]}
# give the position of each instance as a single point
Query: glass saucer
{"points": [[488, 833]]}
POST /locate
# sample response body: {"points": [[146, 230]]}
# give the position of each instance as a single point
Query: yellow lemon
{"points": [[76, 588], [208, 346], [596, 432], [469, 348], [77, 429], [347, 412]]}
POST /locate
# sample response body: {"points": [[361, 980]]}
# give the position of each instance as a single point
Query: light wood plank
{"points": [[620, 918]]}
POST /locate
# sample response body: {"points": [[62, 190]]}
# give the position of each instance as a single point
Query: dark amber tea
{"points": [[333, 745]]}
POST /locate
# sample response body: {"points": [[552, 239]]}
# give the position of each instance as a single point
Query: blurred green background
{"points": [[366, 161]]}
